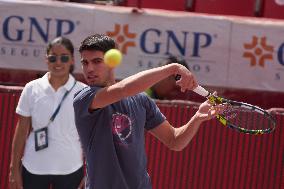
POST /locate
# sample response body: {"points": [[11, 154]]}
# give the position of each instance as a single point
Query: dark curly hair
{"points": [[97, 42]]}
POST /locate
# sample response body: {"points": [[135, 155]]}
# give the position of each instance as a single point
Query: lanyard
{"points": [[59, 105]]}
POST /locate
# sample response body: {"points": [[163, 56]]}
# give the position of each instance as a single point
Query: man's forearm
{"points": [[183, 135], [145, 79]]}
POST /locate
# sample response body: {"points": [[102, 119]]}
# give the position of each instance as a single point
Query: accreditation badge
{"points": [[41, 139]]}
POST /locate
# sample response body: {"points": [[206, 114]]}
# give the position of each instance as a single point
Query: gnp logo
{"points": [[21, 29], [156, 44], [260, 52], [26, 36], [155, 41]]}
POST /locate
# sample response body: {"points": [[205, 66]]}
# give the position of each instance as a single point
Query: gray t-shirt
{"points": [[113, 140]]}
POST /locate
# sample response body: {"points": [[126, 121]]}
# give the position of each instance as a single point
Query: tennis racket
{"points": [[240, 116]]}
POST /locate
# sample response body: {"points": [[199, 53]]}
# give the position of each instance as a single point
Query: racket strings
{"points": [[248, 119]]}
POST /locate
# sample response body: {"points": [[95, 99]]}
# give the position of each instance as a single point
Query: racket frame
{"points": [[213, 99]]}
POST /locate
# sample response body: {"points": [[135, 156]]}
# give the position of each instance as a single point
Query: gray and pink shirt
{"points": [[113, 139]]}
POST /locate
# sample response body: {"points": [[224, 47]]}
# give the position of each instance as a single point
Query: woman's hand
{"points": [[15, 179]]}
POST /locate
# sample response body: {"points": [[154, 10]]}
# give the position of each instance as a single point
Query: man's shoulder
{"points": [[81, 92], [143, 97], [85, 92], [79, 86]]}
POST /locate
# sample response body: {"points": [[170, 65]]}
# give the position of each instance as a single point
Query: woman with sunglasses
{"points": [[46, 150]]}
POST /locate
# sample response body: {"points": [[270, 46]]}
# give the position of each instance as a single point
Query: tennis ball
{"points": [[112, 58]]}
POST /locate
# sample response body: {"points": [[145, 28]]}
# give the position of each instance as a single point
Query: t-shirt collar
{"points": [[46, 85]]}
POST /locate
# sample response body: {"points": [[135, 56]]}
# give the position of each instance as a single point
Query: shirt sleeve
{"points": [[154, 117], [24, 103], [83, 99]]}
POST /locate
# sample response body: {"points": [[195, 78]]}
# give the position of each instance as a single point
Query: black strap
{"points": [[59, 105]]}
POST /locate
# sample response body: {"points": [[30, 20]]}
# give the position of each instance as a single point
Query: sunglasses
{"points": [[63, 58]]}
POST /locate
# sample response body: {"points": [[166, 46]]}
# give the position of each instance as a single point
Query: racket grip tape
{"points": [[201, 91]]}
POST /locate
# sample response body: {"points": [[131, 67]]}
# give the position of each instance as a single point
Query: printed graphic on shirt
{"points": [[121, 129]]}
